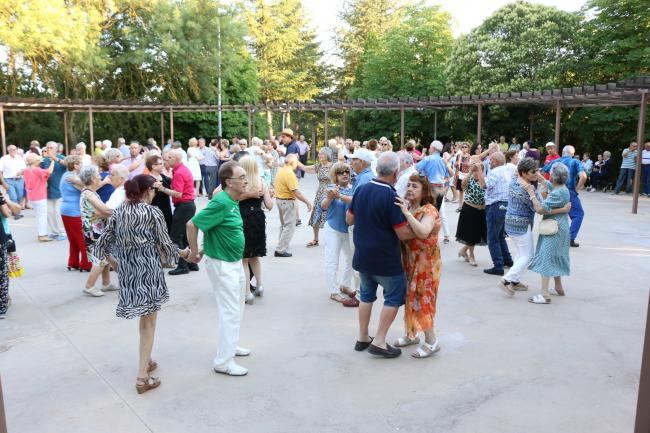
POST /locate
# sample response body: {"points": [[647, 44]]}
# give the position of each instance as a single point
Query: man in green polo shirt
{"points": [[223, 246]]}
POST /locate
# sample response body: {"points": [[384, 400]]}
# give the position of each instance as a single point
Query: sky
{"points": [[466, 14]]}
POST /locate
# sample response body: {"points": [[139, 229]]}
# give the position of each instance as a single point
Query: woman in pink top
{"points": [[36, 187]]}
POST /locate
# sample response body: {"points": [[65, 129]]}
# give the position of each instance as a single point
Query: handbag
{"points": [[548, 227], [15, 268]]}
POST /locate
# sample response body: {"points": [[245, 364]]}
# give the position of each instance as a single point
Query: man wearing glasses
{"points": [[223, 244]]}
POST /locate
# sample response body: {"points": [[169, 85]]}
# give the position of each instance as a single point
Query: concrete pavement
{"points": [[69, 365]]}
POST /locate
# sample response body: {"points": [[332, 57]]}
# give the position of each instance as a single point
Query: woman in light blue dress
{"points": [[552, 252]]}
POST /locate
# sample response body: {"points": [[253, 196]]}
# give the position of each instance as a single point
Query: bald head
{"points": [[175, 157]]}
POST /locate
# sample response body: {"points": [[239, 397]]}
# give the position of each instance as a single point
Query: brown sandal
{"points": [[144, 384], [152, 366], [313, 243]]}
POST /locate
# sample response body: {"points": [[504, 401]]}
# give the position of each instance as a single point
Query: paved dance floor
{"points": [[69, 365]]}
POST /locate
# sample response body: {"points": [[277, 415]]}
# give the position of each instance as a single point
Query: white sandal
{"points": [[426, 350], [405, 341], [539, 299]]}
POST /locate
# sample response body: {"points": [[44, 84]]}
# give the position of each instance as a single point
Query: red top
{"points": [[36, 183], [548, 159], [182, 181]]}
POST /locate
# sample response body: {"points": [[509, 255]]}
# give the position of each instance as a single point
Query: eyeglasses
{"points": [[343, 172]]}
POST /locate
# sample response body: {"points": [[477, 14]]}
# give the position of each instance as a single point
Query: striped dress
{"points": [[136, 235]]}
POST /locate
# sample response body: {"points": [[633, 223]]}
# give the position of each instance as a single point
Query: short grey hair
{"points": [[120, 170], [87, 173], [607, 153], [568, 150], [406, 157], [80, 145], [328, 153], [437, 145], [111, 154], [256, 141], [526, 165], [559, 173], [387, 164], [52, 144]]}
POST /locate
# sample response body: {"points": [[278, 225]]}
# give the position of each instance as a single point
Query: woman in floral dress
{"points": [[93, 219], [422, 263], [322, 170]]}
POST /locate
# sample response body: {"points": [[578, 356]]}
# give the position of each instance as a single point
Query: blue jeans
{"points": [[16, 189], [394, 289], [495, 217], [626, 176], [645, 178], [204, 180], [576, 214]]}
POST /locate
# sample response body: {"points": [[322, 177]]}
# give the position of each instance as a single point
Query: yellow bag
{"points": [[15, 267]]}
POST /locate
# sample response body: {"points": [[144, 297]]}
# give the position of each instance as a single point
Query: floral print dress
{"points": [[92, 225], [423, 265], [318, 216]]}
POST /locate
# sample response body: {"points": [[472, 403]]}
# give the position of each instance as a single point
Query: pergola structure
{"points": [[630, 92]]}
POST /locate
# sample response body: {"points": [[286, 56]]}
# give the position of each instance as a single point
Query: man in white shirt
{"points": [[12, 166], [135, 160], [81, 153], [406, 169], [121, 145], [119, 175]]}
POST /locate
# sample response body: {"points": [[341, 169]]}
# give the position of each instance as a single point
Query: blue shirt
{"points": [[434, 168], [293, 148], [376, 216], [210, 158], [575, 168], [54, 181], [521, 213], [497, 185], [361, 179], [336, 211], [70, 197], [105, 191], [629, 160]]}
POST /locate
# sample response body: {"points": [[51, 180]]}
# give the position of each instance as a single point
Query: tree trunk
{"points": [[269, 123]]}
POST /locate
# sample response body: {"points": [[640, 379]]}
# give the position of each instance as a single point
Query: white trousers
{"points": [[335, 243], [228, 283], [525, 251], [443, 217], [54, 222], [40, 210]]}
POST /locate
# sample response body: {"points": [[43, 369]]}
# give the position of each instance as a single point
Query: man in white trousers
{"points": [[223, 245]]}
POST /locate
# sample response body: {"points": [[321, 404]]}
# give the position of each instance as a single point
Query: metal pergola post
{"points": [[345, 121], [401, 127], [479, 123], [558, 113], [171, 124], [92, 132], [435, 125], [2, 130], [326, 127], [65, 133], [640, 139], [250, 126], [162, 129]]}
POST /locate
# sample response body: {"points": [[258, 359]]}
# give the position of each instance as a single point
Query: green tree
{"points": [[285, 50]]}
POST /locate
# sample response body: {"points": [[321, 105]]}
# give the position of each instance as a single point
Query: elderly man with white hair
{"points": [[119, 175], [436, 170], [135, 161], [81, 153], [106, 144], [406, 169], [575, 182]]}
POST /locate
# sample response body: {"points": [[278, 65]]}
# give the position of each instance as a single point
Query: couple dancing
{"points": [[381, 221]]}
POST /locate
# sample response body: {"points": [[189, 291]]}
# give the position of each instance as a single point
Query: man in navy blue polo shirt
{"points": [[379, 226]]}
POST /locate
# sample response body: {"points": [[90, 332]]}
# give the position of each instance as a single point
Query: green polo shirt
{"points": [[222, 227]]}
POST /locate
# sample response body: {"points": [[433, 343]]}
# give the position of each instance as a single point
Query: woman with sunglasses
{"points": [[462, 170], [472, 228], [335, 235]]}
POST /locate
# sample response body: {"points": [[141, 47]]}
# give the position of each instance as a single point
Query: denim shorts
{"points": [[394, 288]]}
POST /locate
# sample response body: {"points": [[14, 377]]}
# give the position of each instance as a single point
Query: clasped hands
{"points": [[191, 256]]}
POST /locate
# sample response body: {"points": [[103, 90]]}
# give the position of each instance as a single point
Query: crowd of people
{"points": [[379, 213]]}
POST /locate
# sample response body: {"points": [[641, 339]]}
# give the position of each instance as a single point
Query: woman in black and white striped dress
{"points": [[136, 238]]}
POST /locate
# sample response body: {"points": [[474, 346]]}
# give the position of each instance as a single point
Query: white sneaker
{"points": [[231, 369], [242, 351], [94, 291], [110, 288]]}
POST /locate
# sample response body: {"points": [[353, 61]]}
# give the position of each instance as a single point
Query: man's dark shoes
{"points": [[508, 264], [193, 266], [179, 271], [388, 352], [574, 244], [494, 271], [360, 346], [284, 254]]}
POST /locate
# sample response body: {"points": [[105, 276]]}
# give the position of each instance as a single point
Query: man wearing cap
{"points": [[551, 149], [437, 171], [286, 193], [286, 137], [360, 161]]}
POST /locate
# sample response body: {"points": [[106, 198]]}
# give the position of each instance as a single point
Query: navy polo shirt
{"points": [[375, 218]]}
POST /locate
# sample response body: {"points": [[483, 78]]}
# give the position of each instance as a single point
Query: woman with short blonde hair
{"points": [[194, 156]]}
